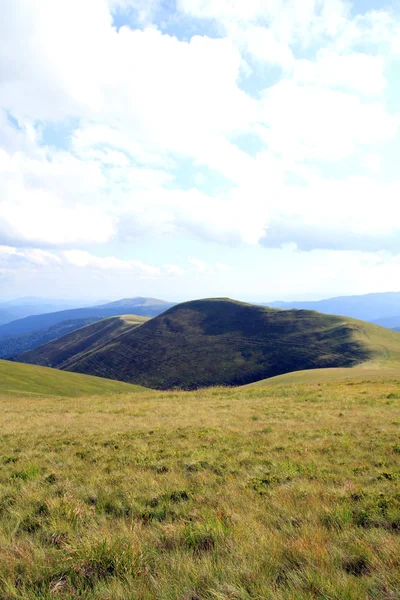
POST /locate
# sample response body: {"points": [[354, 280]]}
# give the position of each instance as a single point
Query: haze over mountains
{"points": [[381, 308], [19, 308], [138, 306], [15, 344], [216, 342]]}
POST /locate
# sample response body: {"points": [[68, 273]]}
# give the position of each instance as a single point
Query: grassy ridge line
{"points": [[17, 379], [385, 341], [11, 346], [79, 343], [107, 337], [315, 376], [384, 365]]}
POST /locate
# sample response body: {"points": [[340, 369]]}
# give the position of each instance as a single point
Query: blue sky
{"points": [[197, 148]]}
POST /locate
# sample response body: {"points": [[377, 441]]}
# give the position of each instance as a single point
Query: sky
{"points": [[198, 148]]}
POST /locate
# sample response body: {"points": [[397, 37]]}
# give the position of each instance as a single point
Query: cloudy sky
{"points": [[192, 148]]}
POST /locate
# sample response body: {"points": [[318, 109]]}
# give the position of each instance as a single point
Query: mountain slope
{"points": [[29, 380], [223, 342], [147, 307], [16, 344], [369, 307], [74, 346]]}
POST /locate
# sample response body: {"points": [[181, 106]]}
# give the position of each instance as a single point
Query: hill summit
{"points": [[217, 342]]}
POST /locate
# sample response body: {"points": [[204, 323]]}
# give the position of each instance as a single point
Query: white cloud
{"points": [[204, 268], [359, 72], [293, 21], [140, 107], [313, 122], [372, 162], [263, 45], [10, 256], [358, 213], [83, 259], [14, 259]]}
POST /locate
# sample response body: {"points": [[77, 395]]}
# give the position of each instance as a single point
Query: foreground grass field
{"points": [[20, 380], [283, 492]]}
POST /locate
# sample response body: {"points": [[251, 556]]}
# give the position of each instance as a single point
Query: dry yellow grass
{"points": [[288, 492]]}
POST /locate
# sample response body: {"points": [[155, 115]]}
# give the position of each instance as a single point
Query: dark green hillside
{"points": [[221, 342], [16, 344], [77, 344]]}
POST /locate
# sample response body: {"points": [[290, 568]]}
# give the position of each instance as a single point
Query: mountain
{"points": [[28, 380], [136, 302], [75, 346], [369, 307], [217, 342], [147, 307], [389, 322], [16, 344], [11, 310]]}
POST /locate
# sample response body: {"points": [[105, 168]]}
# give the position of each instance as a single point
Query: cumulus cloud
{"points": [[321, 124], [139, 107], [11, 257], [356, 71], [14, 259], [204, 268], [358, 213]]}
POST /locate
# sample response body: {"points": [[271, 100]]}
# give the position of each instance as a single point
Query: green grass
{"points": [[218, 342], [17, 379], [288, 492], [360, 373]]}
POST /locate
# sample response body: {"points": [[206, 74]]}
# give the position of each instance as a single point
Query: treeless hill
{"points": [[217, 342]]}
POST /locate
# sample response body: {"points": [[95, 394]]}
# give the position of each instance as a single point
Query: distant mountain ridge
{"points": [[368, 307], [216, 342], [10, 310], [389, 322], [16, 344], [147, 307]]}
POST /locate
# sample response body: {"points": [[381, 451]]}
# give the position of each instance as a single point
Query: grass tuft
{"points": [[183, 495]]}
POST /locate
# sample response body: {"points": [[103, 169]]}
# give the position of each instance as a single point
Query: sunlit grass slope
{"points": [[383, 362], [18, 379], [283, 493]]}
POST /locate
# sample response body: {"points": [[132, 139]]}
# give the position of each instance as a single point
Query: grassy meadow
{"points": [[19, 380], [288, 491]]}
